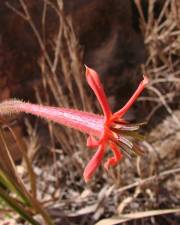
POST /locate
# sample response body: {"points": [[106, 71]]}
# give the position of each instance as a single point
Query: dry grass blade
{"points": [[149, 179], [13, 183], [30, 171], [138, 215], [9, 169]]}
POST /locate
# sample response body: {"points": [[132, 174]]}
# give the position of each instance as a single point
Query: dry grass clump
{"points": [[162, 40]]}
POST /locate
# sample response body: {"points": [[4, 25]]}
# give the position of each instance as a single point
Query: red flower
{"points": [[115, 129], [108, 130]]}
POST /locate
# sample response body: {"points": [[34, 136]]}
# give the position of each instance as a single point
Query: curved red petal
{"points": [[115, 159], [93, 163], [138, 91], [94, 82]]}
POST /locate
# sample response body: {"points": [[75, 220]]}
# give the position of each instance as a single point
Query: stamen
{"points": [[127, 128], [130, 134], [126, 153], [137, 149], [125, 141], [133, 127]]}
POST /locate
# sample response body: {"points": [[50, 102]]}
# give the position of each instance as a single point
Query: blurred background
{"points": [[44, 45]]}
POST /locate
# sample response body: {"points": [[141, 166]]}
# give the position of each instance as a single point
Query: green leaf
{"points": [[17, 207]]}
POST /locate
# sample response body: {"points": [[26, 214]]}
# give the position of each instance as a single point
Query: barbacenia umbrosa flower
{"points": [[109, 130]]}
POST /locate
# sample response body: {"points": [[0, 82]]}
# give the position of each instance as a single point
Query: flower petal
{"points": [[93, 163], [138, 91], [94, 82], [115, 159]]}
